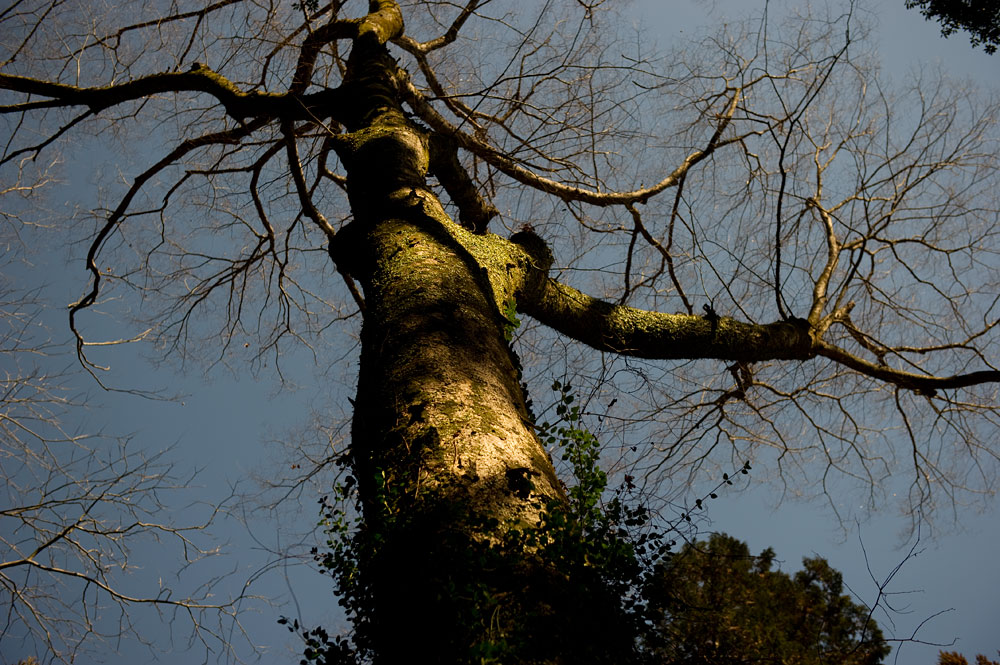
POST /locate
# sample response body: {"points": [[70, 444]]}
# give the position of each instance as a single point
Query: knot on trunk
{"points": [[539, 261]]}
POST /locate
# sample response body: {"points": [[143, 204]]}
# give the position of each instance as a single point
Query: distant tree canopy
{"points": [[955, 658], [715, 603], [980, 18]]}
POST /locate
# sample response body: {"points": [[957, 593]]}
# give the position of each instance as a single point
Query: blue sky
{"points": [[224, 419]]}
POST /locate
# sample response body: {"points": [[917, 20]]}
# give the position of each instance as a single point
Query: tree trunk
{"points": [[442, 446], [450, 471]]}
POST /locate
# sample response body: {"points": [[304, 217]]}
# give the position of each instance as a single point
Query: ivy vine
{"points": [[600, 539]]}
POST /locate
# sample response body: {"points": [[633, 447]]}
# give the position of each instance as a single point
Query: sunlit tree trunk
{"points": [[443, 446]]}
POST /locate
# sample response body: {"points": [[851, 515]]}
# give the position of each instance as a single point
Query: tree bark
{"points": [[443, 447]]}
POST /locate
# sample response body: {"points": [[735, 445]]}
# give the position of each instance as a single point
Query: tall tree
{"points": [[955, 658], [715, 603], [978, 18], [817, 250]]}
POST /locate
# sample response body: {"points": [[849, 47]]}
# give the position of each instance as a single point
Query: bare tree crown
{"points": [[753, 245]]}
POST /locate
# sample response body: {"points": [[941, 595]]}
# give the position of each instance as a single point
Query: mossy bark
{"points": [[644, 334], [442, 445], [439, 412]]}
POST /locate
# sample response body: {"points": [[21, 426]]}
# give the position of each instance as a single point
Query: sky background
{"points": [[954, 569], [223, 422]]}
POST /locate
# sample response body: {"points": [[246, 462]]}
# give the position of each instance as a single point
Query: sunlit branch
{"points": [[318, 219], [795, 117], [238, 104], [646, 334], [833, 255], [448, 37], [566, 192], [922, 383]]}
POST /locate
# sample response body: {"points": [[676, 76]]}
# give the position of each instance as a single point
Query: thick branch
{"points": [[341, 29], [383, 22], [423, 48], [922, 383], [644, 334], [238, 104], [475, 212]]}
